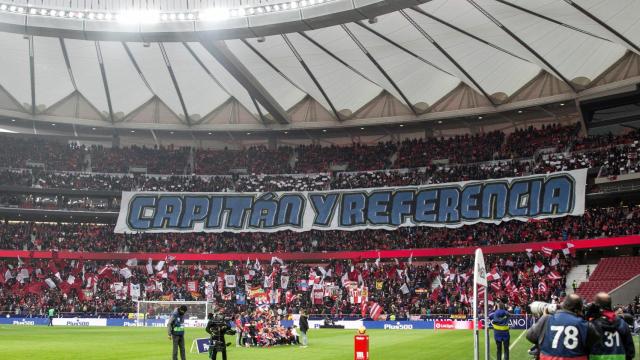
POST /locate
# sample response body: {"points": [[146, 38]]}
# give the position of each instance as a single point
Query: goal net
{"points": [[156, 313]]}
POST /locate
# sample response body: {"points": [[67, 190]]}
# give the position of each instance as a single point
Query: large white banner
{"points": [[439, 205]]}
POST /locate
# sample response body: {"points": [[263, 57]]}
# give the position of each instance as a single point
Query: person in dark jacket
{"points": [[217, 328], [564, 335], [304, 327], [500, 321], [175, 328], [616, 341]]}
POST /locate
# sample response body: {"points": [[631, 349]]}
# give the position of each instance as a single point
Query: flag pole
{"points": [[479, 278], [486, 324], [476, 353]]}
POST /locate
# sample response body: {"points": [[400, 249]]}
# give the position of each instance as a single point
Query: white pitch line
{"points": [[515, 342]]}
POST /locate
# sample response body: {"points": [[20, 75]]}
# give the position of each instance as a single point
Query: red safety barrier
{"points": [[358, 255]]}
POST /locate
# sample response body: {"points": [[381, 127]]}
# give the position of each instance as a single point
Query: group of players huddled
{"points": [[263, 331], [249, 331]]}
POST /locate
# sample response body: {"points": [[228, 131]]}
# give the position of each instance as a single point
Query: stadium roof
{"points": [[432, 60]]}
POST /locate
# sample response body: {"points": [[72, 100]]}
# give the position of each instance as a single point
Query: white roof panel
{"points": [[154, 69], [418, 81], [127, 90], [345, 88], [83, 57], [222, 76], [53, 82], [285, 93], [201, 94], [14, 67]]}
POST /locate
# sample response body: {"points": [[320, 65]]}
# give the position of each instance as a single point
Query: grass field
{"points": [[102, 343]]}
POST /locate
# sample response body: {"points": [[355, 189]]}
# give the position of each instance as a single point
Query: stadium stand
{"points": [[609, 274], [403, 288]]}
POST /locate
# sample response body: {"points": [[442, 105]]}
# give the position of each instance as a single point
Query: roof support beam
{"points": [[523, 43], [105, 83], [603, 24], [462, 31], [137, 67], [404, 49], [538, 15], [336, 58], [446, 54], [310, 73], [65, 54], [167, 62], [384, 73], [273, 67], [219, 50], [32, 73]]}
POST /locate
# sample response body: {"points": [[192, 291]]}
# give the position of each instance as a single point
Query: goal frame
{"points": [[141, 322]]}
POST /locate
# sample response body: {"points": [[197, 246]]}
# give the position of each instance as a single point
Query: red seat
{"points": [[609, 274]]}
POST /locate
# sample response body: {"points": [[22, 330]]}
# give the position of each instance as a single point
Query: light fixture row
{"points": [[153, 16]]}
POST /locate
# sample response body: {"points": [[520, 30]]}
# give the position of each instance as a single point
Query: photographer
{"points": [[217, 328], [564, 334], [176, 331], [616, 341]]}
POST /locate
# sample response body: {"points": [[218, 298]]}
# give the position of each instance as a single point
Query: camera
{"points": [[539, 308]]}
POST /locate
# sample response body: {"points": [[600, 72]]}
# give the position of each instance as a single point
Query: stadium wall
{"points": [[293, 256], [520, 322]]}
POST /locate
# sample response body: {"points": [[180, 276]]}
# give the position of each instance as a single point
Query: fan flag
{"points": [[547, 251], [375, 310]]}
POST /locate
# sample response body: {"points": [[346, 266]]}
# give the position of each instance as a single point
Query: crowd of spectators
{"points": [[405, 288], [20, 152], [156, 160], [597, 222], [525, 142], [356, 157], [458, 149], [56, 155], [254, 160]]}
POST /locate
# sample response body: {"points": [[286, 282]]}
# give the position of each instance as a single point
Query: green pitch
{"points": [[102, 343]]}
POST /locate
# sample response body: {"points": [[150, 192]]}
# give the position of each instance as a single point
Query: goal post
{"points": [[152, 313], [480, 279]]}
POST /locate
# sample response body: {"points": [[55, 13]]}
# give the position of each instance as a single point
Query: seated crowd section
{"points": [[414, 165], [403, 288], [596, 223]]}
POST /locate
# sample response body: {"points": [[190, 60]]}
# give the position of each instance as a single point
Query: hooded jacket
{"points": [[616, 342]]}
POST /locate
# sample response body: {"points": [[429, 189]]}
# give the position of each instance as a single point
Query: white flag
{"points": [[230, 281], [23, 274], [159, 265], [284, 281], [405, 289], [479, 270], [276, 259], [125, 272], [134, 291], [149, 267], [71, 279], [132, 262], [50, 282]]}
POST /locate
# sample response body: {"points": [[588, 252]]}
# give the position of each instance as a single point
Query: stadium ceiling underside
{"points": [[327, 64]]}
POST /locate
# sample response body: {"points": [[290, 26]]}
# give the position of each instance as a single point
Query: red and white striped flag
{"points": [[542, 287], [493, 275], [547, 251], [555, 260], [554, 275], [538, 267], [375, 310]]}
